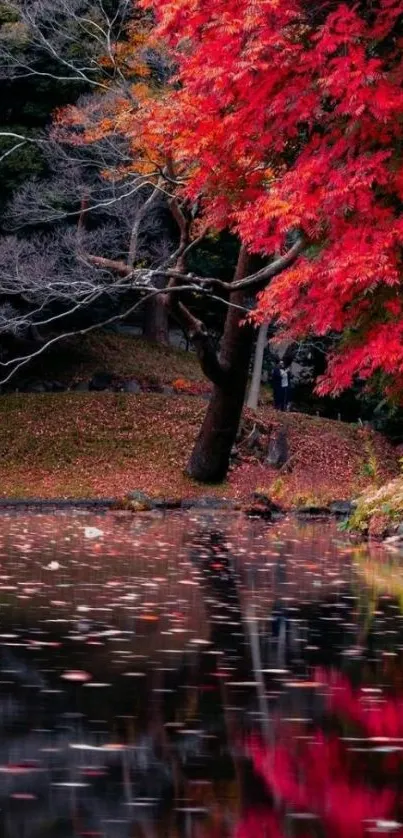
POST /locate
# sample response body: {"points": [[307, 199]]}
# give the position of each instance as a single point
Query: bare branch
{"points": [[134, 238], [12, 150], [22, 141], [15, 136], [74, 34]]}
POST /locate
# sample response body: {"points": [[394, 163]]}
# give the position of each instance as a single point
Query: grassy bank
{"points": [[379, 510], [74, 445]]}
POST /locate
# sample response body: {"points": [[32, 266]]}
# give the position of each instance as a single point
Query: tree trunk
{"points": [[254, 390], [210, 457], [156, 321]]}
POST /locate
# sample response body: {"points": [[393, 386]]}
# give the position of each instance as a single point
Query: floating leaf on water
{"points": [[151, 618], [71, 785], [134, 674], [92, 532], [304, 684], [77, 675], [275, 671], [387, 825], [19, 769]]}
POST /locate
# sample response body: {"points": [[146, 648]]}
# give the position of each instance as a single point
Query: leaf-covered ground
{"points": [[74, 445], [327, 460]]}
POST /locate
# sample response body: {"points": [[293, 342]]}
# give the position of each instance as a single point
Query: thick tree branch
{"points": [[229, 356], [259, 280], [184, 229], [202, 342], [196, 329], [117, 265], [254, 282]]}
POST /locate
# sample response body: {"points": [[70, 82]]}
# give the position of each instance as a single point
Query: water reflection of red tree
{"points": [[341, 782]]}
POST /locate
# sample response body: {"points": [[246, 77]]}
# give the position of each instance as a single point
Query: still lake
{"points": [[197, 675]]}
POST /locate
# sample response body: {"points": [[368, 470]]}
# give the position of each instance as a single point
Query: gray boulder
{"points": [[139, 501], [342, 507], [277, 454], [81, 387], [132, 387], [38, 387], [253, 441], [101, 381], [260, 505]]}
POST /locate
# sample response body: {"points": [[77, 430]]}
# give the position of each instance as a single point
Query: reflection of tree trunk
{"points": [[211, 454], [156, 322], [221, 597]]}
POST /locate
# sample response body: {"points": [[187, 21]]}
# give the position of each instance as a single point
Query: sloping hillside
{"points": [[106, 444]]}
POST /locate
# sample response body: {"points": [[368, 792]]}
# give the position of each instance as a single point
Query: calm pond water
{"points": [[197, 675]]}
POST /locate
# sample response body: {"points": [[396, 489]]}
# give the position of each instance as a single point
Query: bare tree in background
{"points": [[124, 220], [73, 42], [254, 389], [74, 34]]}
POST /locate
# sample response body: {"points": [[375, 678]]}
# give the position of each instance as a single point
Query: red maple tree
{"points": [[288, 116]]}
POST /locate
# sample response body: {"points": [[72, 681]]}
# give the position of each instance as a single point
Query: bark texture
{"points": [[210, 457], [156, 321]]}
